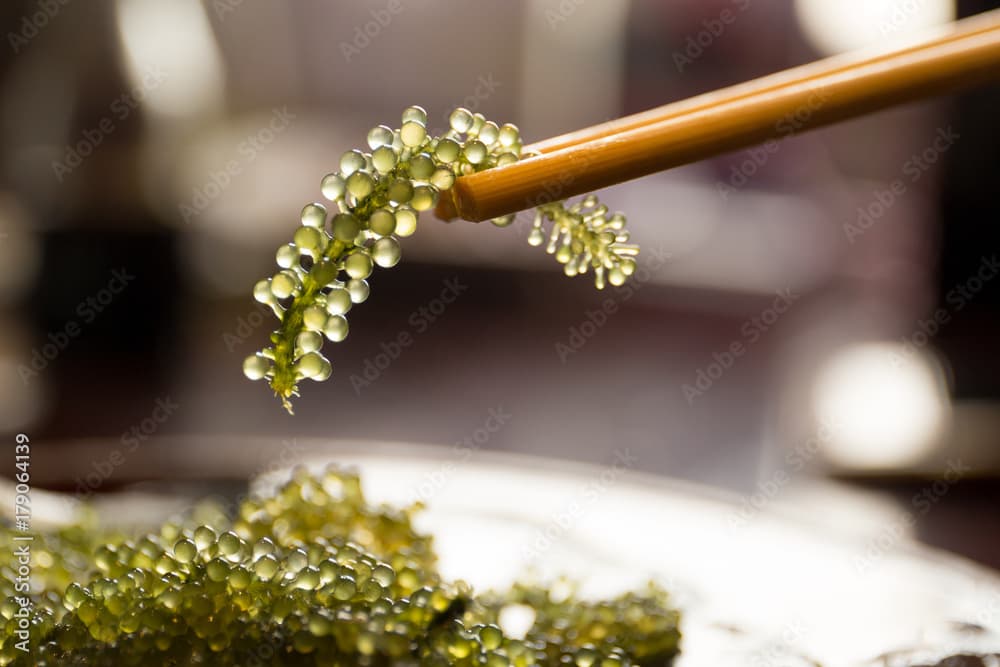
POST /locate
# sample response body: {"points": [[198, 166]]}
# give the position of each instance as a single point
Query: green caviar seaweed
{"points": [[311, 575], [374, 200]]}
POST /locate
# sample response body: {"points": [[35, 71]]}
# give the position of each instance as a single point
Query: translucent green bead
{"points": [[406, 222], [262, 290], [384, 159], [351, 161], [497, 660], [359, 290], [171, 599], [564, 254], [307, 341], [217, 570], [628, 266], [475, 151], [416, 114], [425, 197], [309, 240], [460, 120], [303, 642], [421, 166], [333, 187], [384, 575], [382, 222], [358, 265], [506, 158], [319, 625], [509, 135], [313, 215], [586, 657], [336, 328], [307, 579], [616, 276], [266, 566], [204, 537], [338, 301], [75, 596], [165, 564], [287, 256], [379, 136], [488, 133], [386, 252], [478, 120], [442, 178], [255, 367], [345, 227], [504, 220], [360, 184], [313, 365], [230, 543], [239, 578], [491, 637], [314, 318], [130, 622], [447, 151], [185, 550], [296, 560], [284, 284], [263, 547], [412, 134], [400, 191], [344, 588]]}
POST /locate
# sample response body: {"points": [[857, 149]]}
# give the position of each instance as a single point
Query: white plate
{"points": [[751, 594]]}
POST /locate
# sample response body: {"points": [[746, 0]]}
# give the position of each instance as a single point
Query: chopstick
{"points": [[773, 107]]}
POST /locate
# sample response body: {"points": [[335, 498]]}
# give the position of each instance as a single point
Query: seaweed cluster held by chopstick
{"points": [[372, 200], [311, 575]]}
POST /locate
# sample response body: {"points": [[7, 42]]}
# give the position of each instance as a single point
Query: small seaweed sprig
{"points": [[375, 198]]}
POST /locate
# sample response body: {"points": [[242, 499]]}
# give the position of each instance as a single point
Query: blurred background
{"points": [[813, 325]]}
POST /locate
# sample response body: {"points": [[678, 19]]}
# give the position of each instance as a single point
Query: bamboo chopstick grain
{"points": [[772, 107]]}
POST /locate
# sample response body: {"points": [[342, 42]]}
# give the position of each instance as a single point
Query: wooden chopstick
{"points": [[771, 107]]}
